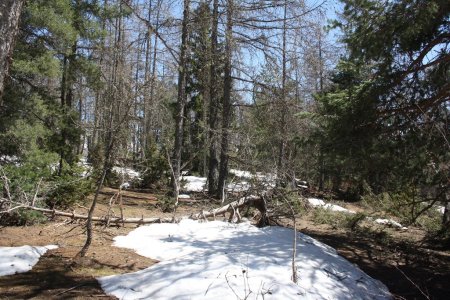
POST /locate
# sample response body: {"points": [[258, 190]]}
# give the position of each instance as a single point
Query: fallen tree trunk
{"points": [[114, 220], [233, 207], [129, 194]]}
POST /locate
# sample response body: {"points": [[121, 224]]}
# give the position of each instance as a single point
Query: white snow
{"points": [[218, 260], [198, 184], [20, 259], [193, 184], [184, 196], [333, 207], [390, 222], [10, 159], [240, 186], [87, 167], [127, 172], [125, 185], [242, 174], [440, 209], [316, 202]]}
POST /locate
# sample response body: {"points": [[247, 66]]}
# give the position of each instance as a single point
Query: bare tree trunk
{"points": [[226, 113], [9, 21], [283, 104], [146, 109], [213, 163], [118, 112], [89, 231], [181, 102]]}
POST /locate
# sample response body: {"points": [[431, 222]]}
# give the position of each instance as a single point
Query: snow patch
{"points": [[87, 167], [193, 184], [127, 172], [390, 222], [242, 174], [320, 203], [198, 184], [215, 260], [15, 260]]}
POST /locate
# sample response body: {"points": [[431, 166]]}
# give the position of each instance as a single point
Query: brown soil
{"points": [[411, 269]]}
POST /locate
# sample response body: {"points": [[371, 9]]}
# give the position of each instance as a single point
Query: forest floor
{"points": [[410, 267]]}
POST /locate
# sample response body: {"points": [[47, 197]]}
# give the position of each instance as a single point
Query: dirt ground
{"points": [[410, 268]]}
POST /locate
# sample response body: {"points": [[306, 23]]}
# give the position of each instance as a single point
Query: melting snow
{"points": [[320, 203], [440, 209], [215, 260], [127, 172], [198, 184], [20, 259], [193, 184], [242, 174], [390, 223]]}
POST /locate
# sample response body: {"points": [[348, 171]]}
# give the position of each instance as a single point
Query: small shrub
{"points": [[337, 219], [326, 216], [154, 168], [66, 193], [69, 188], [22, 217], [352, 221], [431, 221], [166, 204]]}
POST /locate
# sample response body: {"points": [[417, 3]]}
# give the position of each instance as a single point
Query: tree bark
{"points": [[9, 21], [181, 102], [255, 201], [283, 104], [226, 113], [213, 163]]}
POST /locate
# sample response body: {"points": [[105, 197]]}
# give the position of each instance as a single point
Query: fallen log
{"points": [[114, 220], [129, 194], [233, 207]]}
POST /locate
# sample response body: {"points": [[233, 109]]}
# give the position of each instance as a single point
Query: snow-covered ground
{"points": [[242, 184], [333, 207], [20, 259], [218, 260], [440, 209], [390, 222], [127, 172], [193, 183]]}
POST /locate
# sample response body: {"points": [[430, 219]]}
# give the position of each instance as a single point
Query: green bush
{"points": [[406, 206], [337, 219], [22, 217], [154, 168], [67, 191], [68, 188], [329, 217], [431, 221], [166, 204]]}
